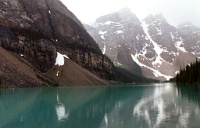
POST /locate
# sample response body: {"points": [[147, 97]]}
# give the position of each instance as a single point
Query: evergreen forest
{"points": [[190, 74]]}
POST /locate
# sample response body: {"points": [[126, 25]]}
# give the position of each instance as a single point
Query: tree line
{"points": [[190, 74]]}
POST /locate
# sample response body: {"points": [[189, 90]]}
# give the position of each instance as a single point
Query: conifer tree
{"points": [[191, 73]]}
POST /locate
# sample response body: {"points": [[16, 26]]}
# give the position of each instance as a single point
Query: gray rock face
{"points": [[191, 37], [39, 29], [112, 39], [153, 45]]}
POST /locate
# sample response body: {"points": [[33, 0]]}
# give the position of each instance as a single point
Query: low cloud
{"points": [[175, 11]]}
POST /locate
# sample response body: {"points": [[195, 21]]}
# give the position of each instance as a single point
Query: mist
{"points": [[175, 11]]}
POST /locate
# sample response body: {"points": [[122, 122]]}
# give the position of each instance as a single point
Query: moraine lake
{"points": [[162, 105]]}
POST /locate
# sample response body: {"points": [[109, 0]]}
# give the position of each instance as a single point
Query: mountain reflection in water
{"points": [[125, 106]]}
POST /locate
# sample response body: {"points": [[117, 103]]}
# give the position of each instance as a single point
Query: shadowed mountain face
{"points": [[38, 29], [156, 48]]}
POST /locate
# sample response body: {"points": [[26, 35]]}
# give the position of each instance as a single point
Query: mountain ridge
{"points": [[154, 45], [37, 30]]}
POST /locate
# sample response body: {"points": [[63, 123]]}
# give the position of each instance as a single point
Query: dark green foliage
{"points": [[125, 75], [190, 75], [172, 80]]}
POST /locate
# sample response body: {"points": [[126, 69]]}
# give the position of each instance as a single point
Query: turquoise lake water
{"points": [[161, 105]]}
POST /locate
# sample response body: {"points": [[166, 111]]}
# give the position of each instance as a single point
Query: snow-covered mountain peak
{"points": [[186, 25], [122, 15], [188, 28], [153, 44], [155, 19], [125, 10]]}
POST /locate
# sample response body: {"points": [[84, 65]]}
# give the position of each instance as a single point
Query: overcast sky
{"points": [[175, 11]]}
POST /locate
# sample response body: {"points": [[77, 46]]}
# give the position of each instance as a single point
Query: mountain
{"points": [[37, 33], [152, 47]]}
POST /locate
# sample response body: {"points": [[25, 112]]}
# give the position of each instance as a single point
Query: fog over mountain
{"points": [[150, 47], [175, 11]]}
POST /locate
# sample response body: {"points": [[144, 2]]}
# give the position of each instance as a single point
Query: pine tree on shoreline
{"points": [[189, 75]]}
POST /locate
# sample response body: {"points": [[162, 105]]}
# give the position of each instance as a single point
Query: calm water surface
{"points": [[133, 106]]}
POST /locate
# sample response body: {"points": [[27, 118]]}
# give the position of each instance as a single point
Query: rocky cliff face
{"points": [[38, 29], [113, 40], [156, 48]]}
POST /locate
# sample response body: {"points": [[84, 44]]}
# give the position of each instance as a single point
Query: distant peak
{"points": [[186, 24], [155, 17], [124, 14], [126, 9]]}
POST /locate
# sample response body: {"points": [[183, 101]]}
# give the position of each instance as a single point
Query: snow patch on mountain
{"points": [[159, 31], [172, 36], [104, 48], [119, 32], [138, 37], [60, 60], [155, 72], [57, 73], [178, 46], [118, 24], [157, 48], [109, 22], [102, 33]]}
